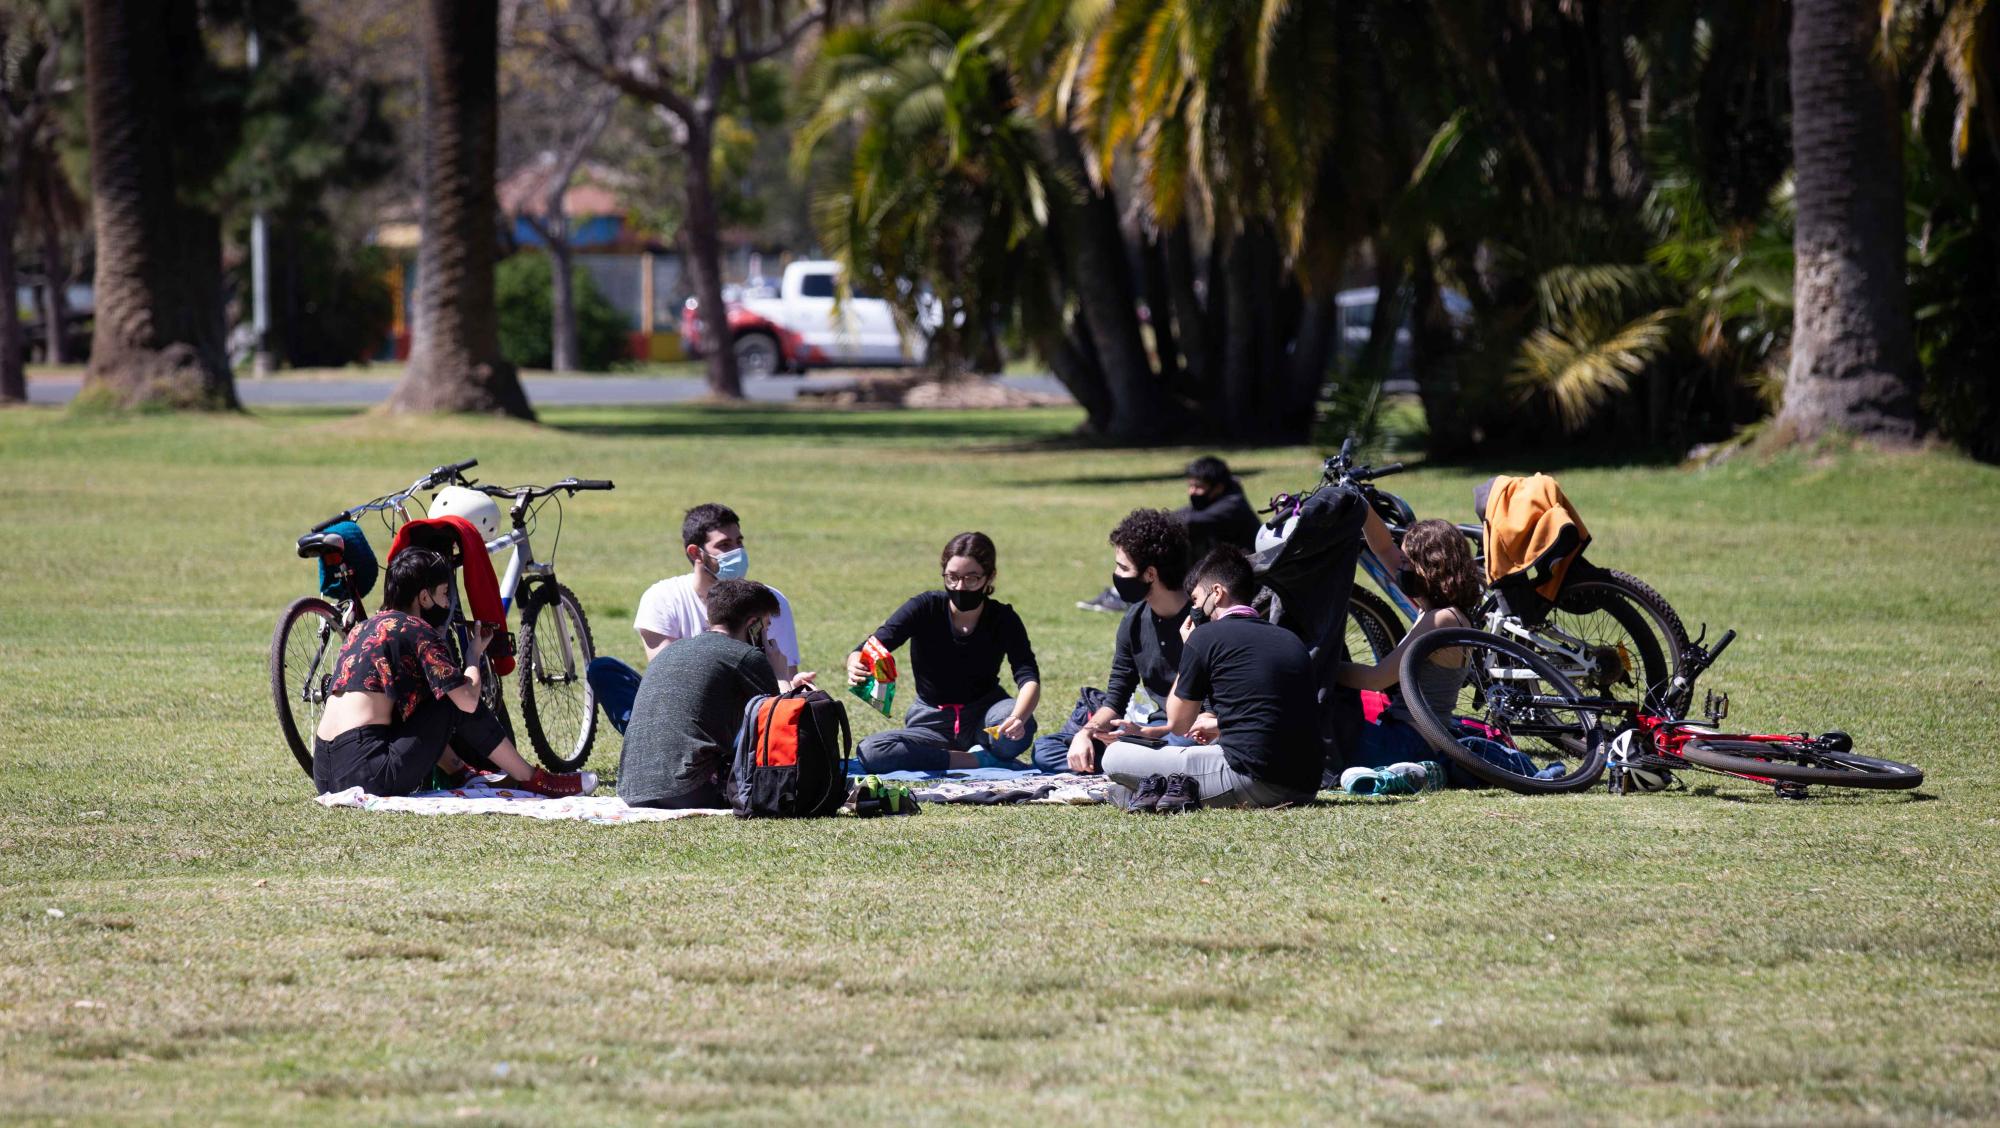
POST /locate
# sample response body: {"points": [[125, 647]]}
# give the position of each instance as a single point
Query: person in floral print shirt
{"points": [[400, 705]]}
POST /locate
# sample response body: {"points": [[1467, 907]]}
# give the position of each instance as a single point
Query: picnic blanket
{"points": [[976, 787]]}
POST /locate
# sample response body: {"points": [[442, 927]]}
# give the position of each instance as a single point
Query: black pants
{"points": [[396, 759]]}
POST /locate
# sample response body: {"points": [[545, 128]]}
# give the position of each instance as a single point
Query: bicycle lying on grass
{"points": [[558, 709], [1515, 698]]}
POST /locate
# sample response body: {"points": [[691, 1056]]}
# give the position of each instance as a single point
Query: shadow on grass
{"points": [[1011, 429]]}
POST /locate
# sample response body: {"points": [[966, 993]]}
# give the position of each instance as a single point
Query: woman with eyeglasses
{"points": [[957, 638]]}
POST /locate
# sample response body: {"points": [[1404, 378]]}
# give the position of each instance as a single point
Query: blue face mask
{"points": [[732, 565]]}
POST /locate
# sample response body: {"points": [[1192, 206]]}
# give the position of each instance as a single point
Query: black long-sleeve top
{"points": [[1148, 652], [953, 669]]}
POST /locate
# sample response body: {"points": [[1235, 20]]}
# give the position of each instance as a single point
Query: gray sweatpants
{"points": [[1221, 785]]}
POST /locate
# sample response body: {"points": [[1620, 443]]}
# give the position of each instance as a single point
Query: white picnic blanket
{"points": [[484, 799], [481, 797]]}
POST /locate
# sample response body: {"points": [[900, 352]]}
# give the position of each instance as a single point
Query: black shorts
{"points": [[397, 759]]}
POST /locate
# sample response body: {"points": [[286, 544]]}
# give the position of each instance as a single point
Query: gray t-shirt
{"points": [[685, 718]]}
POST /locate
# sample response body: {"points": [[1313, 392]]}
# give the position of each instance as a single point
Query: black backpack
{"points": [[791, 757]]}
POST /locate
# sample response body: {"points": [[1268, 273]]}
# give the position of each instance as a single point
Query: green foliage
{"points": [[525, 305], [334, 312], [1954, 275], [946, 191]]}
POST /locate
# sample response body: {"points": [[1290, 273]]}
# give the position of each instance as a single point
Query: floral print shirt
{"points": [[399, 654]]}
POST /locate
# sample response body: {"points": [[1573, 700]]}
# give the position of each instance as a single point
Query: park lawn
{"points": [[227, 951]]}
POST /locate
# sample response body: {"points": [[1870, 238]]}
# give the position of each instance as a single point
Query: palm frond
{"points": [[1576, 368]]}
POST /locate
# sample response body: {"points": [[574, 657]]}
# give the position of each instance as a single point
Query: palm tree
{"points": [[455, 362], [1853, 366], [159, 327]]}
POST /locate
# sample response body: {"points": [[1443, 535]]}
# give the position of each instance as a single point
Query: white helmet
{"points": [[1629, 763], [476, 507]]}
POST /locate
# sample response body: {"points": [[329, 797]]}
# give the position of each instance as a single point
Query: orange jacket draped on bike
{"points": [[1525, 519], [482, 588]]}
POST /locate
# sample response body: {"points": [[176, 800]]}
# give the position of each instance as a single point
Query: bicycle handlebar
{"points": [[449, 472], [1721, 644], [527, 493]]}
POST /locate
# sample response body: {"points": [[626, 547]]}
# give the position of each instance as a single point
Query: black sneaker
{"points": [[1183, 794], [1146, 800], [1106, 601]]}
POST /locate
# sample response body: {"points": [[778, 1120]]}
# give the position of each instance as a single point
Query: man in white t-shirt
{"points": [[677, 607]]}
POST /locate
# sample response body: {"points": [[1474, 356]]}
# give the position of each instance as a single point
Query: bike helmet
{"points": [[1629, 762], [476, 507]]}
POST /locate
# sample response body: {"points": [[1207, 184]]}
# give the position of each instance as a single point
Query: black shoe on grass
{"points": [[1146, 800], [1182, 794]]}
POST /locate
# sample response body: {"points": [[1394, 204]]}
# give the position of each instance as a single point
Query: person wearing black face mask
{"points": [[400, 704], [1149, 564], [957, 638], [1217, 512]]}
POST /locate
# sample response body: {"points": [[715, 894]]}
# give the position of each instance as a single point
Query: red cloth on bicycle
{"points": [[482, 588], [1524, 519]]}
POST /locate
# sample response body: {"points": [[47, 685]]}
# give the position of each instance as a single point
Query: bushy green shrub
{"points": [[522, 284]]}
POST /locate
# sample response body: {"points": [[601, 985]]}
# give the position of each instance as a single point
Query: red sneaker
{"points": [[558, 785]]}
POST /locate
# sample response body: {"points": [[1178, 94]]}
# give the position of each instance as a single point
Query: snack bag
{"points": [[878, 689]]}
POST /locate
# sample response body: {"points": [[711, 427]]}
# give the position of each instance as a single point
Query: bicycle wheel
{"points": [[1373, 627], [557, 705], [303, 650], [1602, 591], [1800, 761], [1514, 699], [1625, 650]]}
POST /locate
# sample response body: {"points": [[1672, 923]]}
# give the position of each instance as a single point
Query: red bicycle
{"points": [[1520, 723]]}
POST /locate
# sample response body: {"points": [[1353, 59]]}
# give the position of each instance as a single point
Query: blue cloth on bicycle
{"points": [[358, 555]]}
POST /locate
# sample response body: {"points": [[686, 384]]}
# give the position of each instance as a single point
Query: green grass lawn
{"points": [[228, 951]]}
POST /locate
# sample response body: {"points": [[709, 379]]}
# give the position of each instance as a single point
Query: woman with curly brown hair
{"points": [[1444, 583]]}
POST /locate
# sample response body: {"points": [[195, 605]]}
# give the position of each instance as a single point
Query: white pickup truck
{"points": [[803, 327]]}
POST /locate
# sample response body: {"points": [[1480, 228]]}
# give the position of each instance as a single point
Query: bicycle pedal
{"points": [[1790, 790]]}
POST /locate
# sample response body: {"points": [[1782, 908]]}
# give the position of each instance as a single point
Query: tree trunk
{"points": [[1094, 250], [55, 302], [1068, 358], [562, 302], [13, 374], [455, 362], [1190, 322], [1240, 375], [1159, 308], [159, 337], [1853, 364], [1447, 417], [704, 241]]}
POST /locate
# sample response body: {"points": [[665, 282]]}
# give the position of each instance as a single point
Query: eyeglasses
{"points": [[972, 579]]}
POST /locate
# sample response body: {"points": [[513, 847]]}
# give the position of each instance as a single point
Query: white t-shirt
{"points": [[672, 610]]}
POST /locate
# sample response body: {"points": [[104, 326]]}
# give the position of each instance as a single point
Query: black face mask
{"points": [[1196, 615], [1200, 501], [966, 599], [1131, 589], [437, 615], [1412, 583]]}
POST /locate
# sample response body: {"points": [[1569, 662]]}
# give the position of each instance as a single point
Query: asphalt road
{"points": [[543, 391]]}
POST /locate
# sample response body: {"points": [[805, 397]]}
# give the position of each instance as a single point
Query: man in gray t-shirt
{"points": [[691, 700]]}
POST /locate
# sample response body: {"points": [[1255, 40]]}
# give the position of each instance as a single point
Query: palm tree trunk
{"points": [[159, 324], [55, 302], [1094, 250], [13, 375], [1853, 364], [455, 362], [704, 241]]}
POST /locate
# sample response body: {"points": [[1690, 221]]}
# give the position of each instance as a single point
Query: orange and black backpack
{"points": [[791, 757]]}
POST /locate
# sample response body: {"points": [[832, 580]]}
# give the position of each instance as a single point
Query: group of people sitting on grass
{"points": [[1229, 716]]}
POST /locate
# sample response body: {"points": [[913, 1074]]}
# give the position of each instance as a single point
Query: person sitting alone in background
{"points": [[690, 703], [1217, 512], [401, 704], [957, 638]]}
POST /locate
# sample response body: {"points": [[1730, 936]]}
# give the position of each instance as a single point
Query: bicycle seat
{"points": [[320, 544]]}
